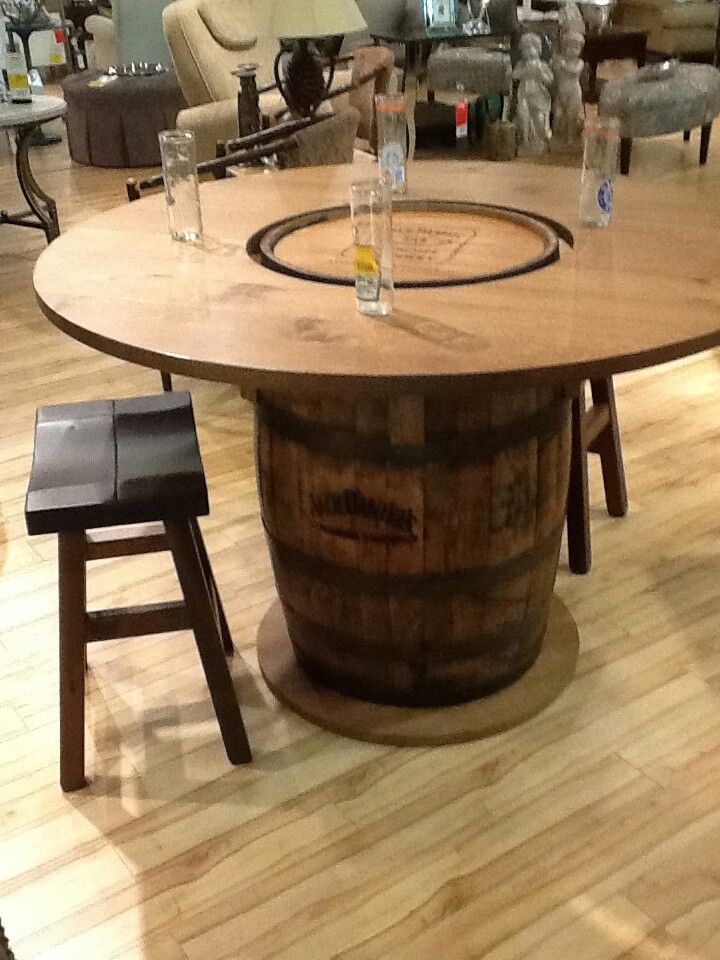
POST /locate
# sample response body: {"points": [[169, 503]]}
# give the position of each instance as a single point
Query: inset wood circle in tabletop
{"points": [[435, 243], [415, 542]]}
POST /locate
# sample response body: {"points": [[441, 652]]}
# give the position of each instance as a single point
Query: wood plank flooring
{"points": [[592, 832]]}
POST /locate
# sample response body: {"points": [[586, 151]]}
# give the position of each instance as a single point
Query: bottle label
{"points": [[18, 83], [605, 195], [392, 162], [367, 274]]}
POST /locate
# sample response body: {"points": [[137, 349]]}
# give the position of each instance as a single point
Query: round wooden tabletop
{"points": [[645, 290]]}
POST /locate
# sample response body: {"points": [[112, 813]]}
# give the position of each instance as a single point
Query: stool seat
{"points": [[107, 463]]}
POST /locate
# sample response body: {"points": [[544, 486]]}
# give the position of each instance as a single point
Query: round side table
{"points": [[25, 119]]}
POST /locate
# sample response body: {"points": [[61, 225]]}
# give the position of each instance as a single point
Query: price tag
{"points": [[462, 110]]}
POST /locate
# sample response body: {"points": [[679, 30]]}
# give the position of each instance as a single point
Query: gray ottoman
{"points": [[480, 71], [116, 124], [649, 106]]}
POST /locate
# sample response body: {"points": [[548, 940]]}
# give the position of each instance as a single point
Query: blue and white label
{"points": [[392, 162], [605, 195]]}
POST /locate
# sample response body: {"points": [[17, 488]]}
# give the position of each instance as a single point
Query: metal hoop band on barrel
{"points": [[475, 582], [457, 451]]}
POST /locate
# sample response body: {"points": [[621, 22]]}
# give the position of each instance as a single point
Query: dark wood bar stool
{"points": [[115, 479], [594, 430]]}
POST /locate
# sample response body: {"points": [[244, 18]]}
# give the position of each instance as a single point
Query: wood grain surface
{"points": [[645, 290], [415, 542], [591, 832]]}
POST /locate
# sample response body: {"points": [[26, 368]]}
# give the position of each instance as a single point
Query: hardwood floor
{"points": [[592, 832]]}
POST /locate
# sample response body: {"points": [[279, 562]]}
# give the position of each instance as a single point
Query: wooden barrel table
{"points": [[415, 542], [413, 468]]}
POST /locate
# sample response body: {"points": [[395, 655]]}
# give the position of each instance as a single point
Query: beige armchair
{"points": [[680, 28], [101, 46], [207, 40]]}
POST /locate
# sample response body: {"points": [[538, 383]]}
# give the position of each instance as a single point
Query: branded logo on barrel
{"points": [[352, 514]]}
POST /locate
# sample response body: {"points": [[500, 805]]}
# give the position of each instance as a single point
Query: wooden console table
{"points": [[614, 43]]}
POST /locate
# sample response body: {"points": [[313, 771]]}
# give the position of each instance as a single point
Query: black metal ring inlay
{"points": [[261, 245], [460, 450], [475, 582]]}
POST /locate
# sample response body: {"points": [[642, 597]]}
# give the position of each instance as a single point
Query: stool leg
{"points": [[686, 136], [607, 445], [705, 142], [625, 152], [220, 617], [192, 583], [72, 607], [578, 512], [167, 383]]}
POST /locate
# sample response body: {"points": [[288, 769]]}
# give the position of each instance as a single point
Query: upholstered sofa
{"points": [[679, 28]]}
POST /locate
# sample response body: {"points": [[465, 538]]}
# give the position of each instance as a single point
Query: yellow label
{"points": [[56, 58], [366, 262], [18, 81]]}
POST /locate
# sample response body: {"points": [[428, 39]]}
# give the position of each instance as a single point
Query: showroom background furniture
{"points": [[24, 119], [688, 97], [116, 123], [380, 62], [100, 43], [132, 465], [678, 28], [613, 43], [140, 35], [303, 70], [134, 34], [207, 40]]}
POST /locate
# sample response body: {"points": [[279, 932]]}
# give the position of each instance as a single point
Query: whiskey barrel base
{"points": [[419, 727], [415, 540]]}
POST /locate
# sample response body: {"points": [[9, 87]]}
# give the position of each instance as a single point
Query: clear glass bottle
{"points": [[371, 208], [17, 73], [600, 166], [392, 140], [179, 163]]}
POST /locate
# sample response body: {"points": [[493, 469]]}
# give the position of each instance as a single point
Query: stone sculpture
{"points": [[568, 112], [534, 100]]}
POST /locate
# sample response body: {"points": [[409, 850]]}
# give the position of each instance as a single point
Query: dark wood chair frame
{"points": [[200, 610], [594, 430]]}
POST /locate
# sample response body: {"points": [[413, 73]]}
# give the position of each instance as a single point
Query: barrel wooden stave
{"points": [[374, 563]]}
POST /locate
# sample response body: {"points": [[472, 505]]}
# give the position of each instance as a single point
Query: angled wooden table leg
{"points": [[607, 445], [594, 430]]}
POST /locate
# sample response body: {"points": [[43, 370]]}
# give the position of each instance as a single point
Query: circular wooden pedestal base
{"points": [[419, 727]]}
